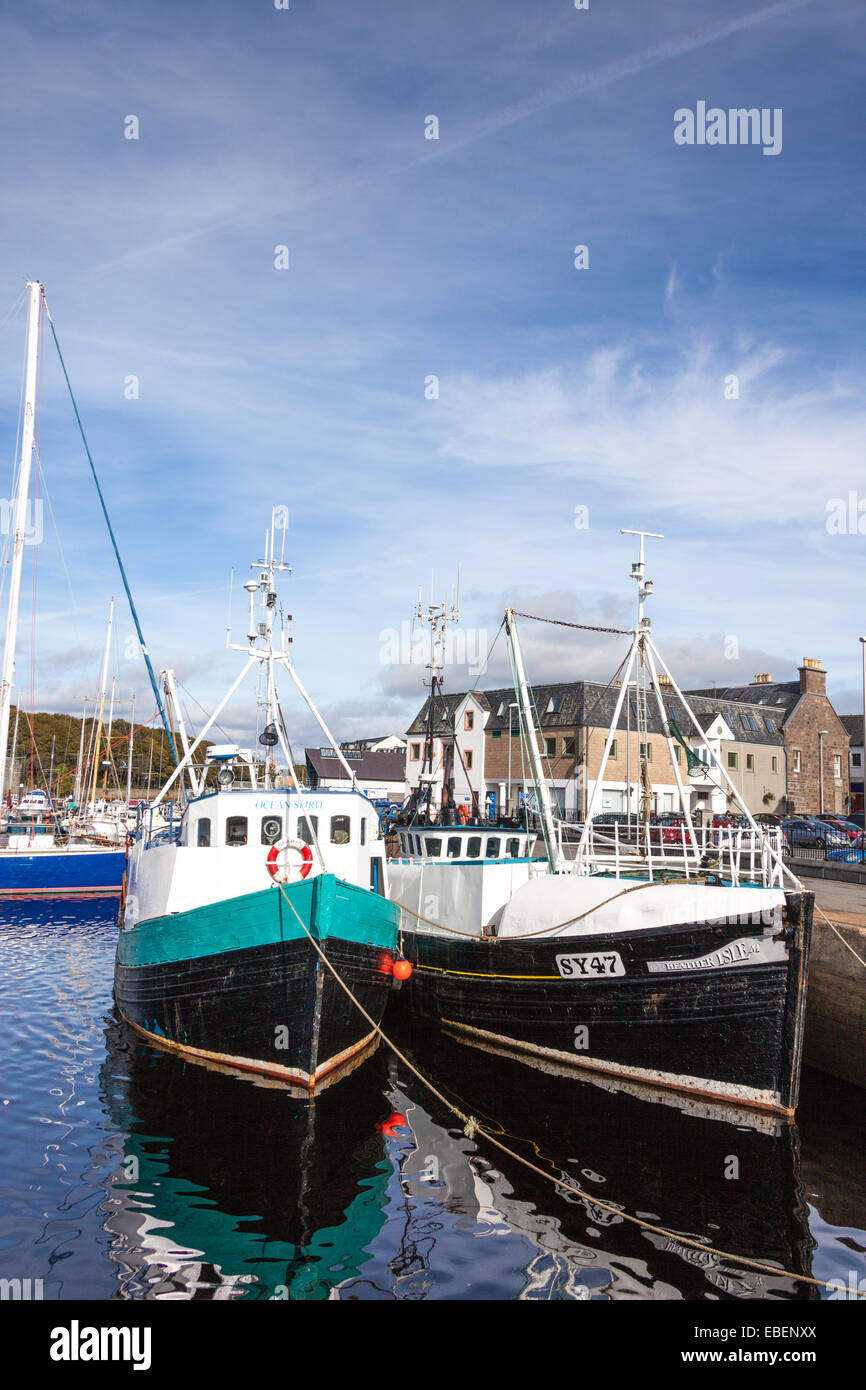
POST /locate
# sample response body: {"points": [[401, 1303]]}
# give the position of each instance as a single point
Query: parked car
{"points": [[841, 823], [809, 831]]}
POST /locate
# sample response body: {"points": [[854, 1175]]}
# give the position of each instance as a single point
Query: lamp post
{"points": [[821, 736], [512, 706]]}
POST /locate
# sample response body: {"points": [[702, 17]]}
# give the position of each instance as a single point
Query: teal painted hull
{"points": [[241, 982]]}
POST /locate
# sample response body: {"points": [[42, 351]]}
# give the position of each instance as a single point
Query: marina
{"points": [[432, 681]]}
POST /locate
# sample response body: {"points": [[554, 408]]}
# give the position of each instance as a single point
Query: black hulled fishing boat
{"points": [[678, 960]]}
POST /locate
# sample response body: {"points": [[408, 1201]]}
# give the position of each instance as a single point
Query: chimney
{"points": [[813, 677], [763, 678], [665, 680]]}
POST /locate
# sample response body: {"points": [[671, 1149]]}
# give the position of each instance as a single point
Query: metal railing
{"points": [[737, 854]]}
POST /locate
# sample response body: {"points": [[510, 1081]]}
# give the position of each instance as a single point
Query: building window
{"points": [[568, 747], [339, 830], [613, 749], [554, 704], [771, 725], [677, 751], [856, 759], [550, 747], [469, 719], [204, 832], [414, 752], [646, 751], [837, 766], [733, 759], [467, 759], [774, 764], [515, 733], [795, 754], [750, 762], [496, 733], [501, 710]]}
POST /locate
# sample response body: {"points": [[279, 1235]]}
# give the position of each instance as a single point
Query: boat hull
{"points": [[712, 1009], [61, 873], [240, 982]]}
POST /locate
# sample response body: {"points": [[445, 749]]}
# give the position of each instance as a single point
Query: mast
{"points": [[102, 684], [24, 467], [79, 772], [129, 755], [542, 791]]}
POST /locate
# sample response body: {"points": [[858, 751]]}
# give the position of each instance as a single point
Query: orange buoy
{"points": [[401, 969]]}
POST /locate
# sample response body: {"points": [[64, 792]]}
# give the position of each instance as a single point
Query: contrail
{"points": [[614, 71], [576, 86]]}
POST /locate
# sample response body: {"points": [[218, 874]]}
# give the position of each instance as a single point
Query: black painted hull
{"points": [[273, 1009], [730, 1032]]}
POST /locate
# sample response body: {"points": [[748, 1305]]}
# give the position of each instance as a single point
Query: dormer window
{"points": [[554, 704], [469, 719]]}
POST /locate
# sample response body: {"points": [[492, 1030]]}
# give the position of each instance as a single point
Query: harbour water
{"points": [[128, 1173]]}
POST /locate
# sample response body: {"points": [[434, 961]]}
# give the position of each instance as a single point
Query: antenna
{"points": [[644, 586]]}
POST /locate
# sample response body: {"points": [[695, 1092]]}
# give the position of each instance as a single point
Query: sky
{"points": [[431, 382]]}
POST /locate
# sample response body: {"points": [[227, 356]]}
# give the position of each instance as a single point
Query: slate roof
{"points": [[388, 765], [853, 725], [591, 703], [782, 695]]}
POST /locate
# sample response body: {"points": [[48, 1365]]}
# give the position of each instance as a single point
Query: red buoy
{"points": [[401, 969], [394, 1122]]}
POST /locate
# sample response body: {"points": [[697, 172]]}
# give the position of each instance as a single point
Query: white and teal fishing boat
{"points": [[231, 912]]}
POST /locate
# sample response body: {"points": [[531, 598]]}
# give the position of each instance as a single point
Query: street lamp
{"points": [[512, 706], [822, 733]]}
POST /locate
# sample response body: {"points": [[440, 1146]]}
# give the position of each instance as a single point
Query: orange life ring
{"points": [[277, 870]]}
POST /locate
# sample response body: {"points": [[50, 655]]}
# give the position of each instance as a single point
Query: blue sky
{"points": [[558, 388]]}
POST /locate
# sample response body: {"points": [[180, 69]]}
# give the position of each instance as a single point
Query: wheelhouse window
{"points": [[339, 830], [434, 848], [236, 830], [473, 847], [453, 851], [305, 833], [203, 833], [272, 829], [492, 851], [512, 849]]}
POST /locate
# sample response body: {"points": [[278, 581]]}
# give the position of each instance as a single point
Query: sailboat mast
{"points": [[102, 685], [24, 467], [129, 755]]}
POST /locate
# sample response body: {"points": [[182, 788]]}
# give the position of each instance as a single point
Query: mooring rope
{"points": [[833, 927], [472, 1127]]}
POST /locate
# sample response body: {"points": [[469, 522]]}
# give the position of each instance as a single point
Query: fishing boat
{"points": [[232, 913], [675, 961]]}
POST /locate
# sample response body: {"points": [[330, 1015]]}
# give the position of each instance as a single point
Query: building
{"points": [[388, 743], [477, 749], [816, 740], [854, 727], [379, 774]]}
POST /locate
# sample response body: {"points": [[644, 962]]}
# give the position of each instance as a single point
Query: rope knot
{"points": [[471, 1127]]}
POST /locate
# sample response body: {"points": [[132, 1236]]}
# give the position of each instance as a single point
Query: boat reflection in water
{"points": [[230, 1187], [237, 1187], [725, 1177]]}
